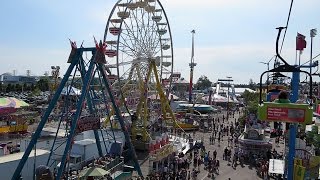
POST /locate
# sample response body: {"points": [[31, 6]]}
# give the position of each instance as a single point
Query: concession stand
{"points": [[253, 141]]}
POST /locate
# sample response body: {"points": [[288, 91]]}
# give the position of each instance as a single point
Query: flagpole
{"points": [[313, 33], [300, 52], [296, 58]]}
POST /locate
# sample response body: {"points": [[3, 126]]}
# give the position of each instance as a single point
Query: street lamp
{"points": [[267, 63], [192, 64], [55, 72], [229, 79], [313, 33]]}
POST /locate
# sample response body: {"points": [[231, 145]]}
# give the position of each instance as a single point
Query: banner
{"points": [[285, 114], [300, 42], [87, 123]]}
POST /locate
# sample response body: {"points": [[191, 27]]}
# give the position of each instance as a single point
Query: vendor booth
{"points": [[253, 141]]}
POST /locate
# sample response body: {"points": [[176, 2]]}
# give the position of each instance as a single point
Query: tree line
{"points": [[204, 83], [42, 85]]}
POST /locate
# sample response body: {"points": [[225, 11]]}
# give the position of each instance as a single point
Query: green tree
{"points": [[36, 92], [249, 96], [32, 87], [9, 88], [313, 138], [18, 87], [43, 85], [25, 87], [251, 100], [252, 85], [203, 83]]}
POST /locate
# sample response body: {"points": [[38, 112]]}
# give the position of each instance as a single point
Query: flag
{"points": [[96, 42], [300, 42], [101, 50], [73, 44], [103, 46], [73, 50]]}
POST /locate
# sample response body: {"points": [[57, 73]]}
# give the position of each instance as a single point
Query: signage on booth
{"points": [[88, 123], [286, 114]]}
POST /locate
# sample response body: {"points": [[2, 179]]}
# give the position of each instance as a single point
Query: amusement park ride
{"points": [[90, 107], [287, 112], [137, 53], [140, 50]]}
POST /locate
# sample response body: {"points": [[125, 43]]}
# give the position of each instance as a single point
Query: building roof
{"points": [[241, 90], [18, 156], [85, 142], [237, 90], [51, 131], [180, 81], [6, 74]]}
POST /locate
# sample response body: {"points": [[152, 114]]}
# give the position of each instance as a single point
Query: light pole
{"points": [[313, 33], [229, 79], [267, 63], [192, 65], [55, 72]]}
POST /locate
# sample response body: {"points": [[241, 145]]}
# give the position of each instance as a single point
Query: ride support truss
{"points": [[96, 64]]}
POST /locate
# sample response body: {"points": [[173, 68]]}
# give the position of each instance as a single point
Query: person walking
{"points": [[217, 165], [214, 154], [214, 140]]}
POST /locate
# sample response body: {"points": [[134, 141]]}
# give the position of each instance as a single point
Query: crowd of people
{"points": [[205, 157], [202, 157]]}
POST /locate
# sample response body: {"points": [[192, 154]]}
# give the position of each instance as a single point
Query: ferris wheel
{"points": [[138, 33]]}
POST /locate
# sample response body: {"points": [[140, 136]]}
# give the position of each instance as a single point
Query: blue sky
{"points": [[232, 36]]}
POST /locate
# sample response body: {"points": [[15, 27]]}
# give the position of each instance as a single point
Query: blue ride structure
{"points": [[288, 112], [80, 111]]}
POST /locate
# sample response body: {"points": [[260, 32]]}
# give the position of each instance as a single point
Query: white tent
{"points": [[157, 96], [217, 98], [72, 91], [276, 166]]}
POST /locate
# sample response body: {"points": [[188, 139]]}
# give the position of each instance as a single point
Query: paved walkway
{"points": [[226, 171]]}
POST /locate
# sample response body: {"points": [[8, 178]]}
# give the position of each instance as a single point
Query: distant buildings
{"points": [[8, 78], [179, 85]]}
